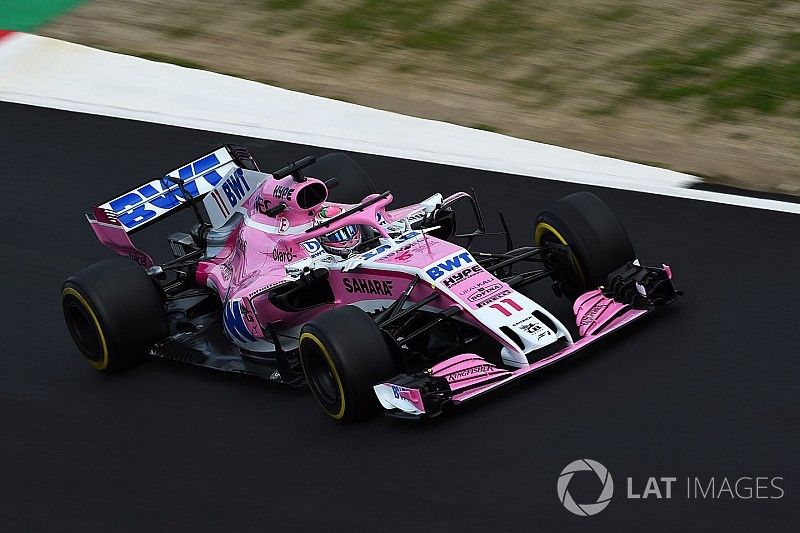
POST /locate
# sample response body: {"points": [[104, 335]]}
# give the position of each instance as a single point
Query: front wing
{"points": [[633, 292]]}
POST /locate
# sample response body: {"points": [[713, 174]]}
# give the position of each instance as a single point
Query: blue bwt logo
{"points": [[136, 207], [448, 265], [235, 187]]}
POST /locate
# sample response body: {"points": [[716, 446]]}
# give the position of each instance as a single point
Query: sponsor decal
{"points": [[458, 277], [241, 244], [380, 218], [283, 192], [483, 292], [262, 205], [469, 372], [416, 216], [248, 313], [402, 254], [226, 271], [493, 298], [504, 305], [313, 247], [397, 389], [151, 199], [384, 247], [523, 321], [283, 256], [531, 328], [375, 252], [368, 286], [235, 188], [477, 285], [283, 225], [234, 321], [592, 314], [450, 264], [139, 257], [535, 329], [408, 236]]}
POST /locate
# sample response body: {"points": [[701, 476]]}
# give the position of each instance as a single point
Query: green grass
{"points": [[182, 32], [615, 14], [371, 19], [285, 4], [412, 24], [494, 40], [724, 87]]}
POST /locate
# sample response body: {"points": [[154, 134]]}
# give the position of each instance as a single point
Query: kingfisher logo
{"points": [[449, 265]]}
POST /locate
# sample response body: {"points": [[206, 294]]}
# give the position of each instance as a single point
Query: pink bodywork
{"points": [[111, 233], [254, 259]]}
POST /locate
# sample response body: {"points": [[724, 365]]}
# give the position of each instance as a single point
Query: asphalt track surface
{"points": [[708, 387]]}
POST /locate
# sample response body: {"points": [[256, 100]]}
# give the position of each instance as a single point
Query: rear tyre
{"points": [[114, 313], [597, 241], [354, 182], [344, 356]]}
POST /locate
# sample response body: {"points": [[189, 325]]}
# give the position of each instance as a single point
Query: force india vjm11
{"points": [[317, 281]]}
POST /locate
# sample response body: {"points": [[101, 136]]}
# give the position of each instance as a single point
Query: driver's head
{"points": [[342, 241]]}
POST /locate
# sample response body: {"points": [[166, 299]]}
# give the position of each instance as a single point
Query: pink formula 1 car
{"points": [[319, 281]]}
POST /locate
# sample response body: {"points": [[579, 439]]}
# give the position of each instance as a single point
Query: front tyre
{"points": [[344, 356], [114, 313], [597, 241]]}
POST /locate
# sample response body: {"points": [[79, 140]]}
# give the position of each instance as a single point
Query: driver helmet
{"points": [[342, 241]]}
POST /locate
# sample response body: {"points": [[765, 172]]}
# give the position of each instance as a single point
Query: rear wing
{"points": [[155, 199]]}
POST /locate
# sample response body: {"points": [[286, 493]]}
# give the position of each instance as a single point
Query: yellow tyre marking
{"points": [[544, 227], [335, 373], [98, 365]]}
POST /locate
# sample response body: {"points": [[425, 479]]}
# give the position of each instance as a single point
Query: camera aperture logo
{"points": [[603, 475]]}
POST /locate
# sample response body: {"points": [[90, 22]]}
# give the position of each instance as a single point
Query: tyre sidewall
{"points": [[595, 236], [360, 357], [127, 306]]}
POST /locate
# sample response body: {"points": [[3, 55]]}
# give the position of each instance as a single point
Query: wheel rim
{"points": [[324, 380], [321, 376], [546, 234], [82, 328]]}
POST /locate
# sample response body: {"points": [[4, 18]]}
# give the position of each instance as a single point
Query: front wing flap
{"points": [[633, 292]]}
